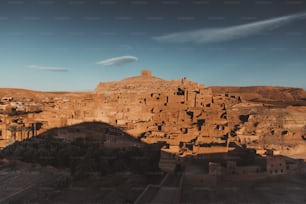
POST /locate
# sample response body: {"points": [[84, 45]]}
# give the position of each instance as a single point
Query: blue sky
{"points": [[56, 45]]}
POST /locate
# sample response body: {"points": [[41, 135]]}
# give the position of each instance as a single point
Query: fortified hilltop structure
{"points": [[178, 112], [186, 116]]}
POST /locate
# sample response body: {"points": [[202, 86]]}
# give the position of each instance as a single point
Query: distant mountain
{"points": [[287, 95]]}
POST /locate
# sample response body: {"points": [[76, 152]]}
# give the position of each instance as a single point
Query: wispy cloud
{"points": [[215, 35], [48, 68], [118, 60]]}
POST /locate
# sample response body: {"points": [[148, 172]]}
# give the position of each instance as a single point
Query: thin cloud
{"points": [[215, 35], [47, 68], [118, 60]]}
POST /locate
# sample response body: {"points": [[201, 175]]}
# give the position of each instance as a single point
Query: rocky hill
{"points": [[190, 118]]}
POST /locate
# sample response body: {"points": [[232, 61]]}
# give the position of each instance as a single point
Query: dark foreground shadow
{"points": [[90, 162]]}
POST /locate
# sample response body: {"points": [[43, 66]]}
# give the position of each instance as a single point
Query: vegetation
{"points": [[83, 156]]}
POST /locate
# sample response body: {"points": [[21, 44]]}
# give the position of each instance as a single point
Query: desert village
{"points": [[192, 122]]}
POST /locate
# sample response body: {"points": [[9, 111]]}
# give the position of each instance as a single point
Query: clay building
{"points": [[184, 114], [276, 165], [170, 111], [152, 109]]}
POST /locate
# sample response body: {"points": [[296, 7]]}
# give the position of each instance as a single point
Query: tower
{"points": [[146, 73]]}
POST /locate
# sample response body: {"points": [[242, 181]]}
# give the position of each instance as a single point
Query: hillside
{"points": [[265, 94], [190, 118], [78, 164], [85, 148]]}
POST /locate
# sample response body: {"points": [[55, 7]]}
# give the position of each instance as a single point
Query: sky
{"points": [[72, 45]]}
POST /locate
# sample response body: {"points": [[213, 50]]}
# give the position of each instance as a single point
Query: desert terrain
{"points": [[148, 140]]}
